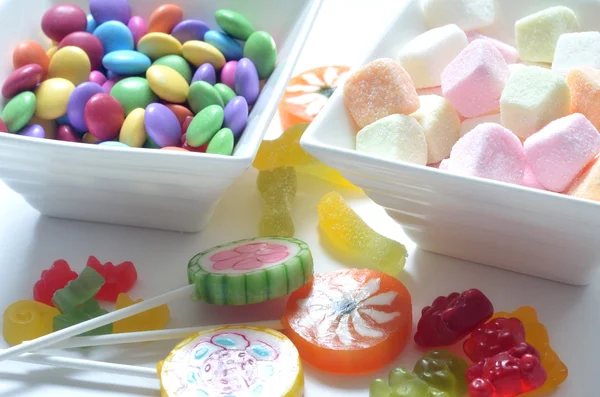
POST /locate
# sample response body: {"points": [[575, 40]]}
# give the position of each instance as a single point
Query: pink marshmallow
{"points": [[474, 80], [489, 151], [444, 164], [560, 150], [529, 180], [509, 53]]}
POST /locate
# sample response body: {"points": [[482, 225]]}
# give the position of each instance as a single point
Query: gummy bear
{"points": [[507, 374], [27, 320], [118, 279], [537, 336], [354, 239], [278, 190], [496, 336], [86, 311], [78, 291], [151, 320], [444, 371], [51, 280], [451, 318]]}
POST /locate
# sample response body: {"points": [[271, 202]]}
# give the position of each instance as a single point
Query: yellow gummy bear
{"points": [[278, 190], [537, 336], [286, 151], [354, 239], [26, 320], [150, 320]]}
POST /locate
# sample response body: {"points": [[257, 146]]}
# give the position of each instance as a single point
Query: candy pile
{"points": [[480, 112], [115, 79]]}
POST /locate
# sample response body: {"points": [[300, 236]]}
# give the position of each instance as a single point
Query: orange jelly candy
{"points": [[350, 321]]}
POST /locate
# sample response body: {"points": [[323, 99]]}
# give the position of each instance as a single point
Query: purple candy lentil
{"points": [[190, 29], [33, 131], [206, 72], [138, 27], [228, 74], [236, 116], [246, 80], [162, 125], [97, 77], [77, 101], [110, 10], [110, 83]]}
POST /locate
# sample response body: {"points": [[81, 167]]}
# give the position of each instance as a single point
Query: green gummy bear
{"points": [[86, 311], [78, 291], [443, 371]]}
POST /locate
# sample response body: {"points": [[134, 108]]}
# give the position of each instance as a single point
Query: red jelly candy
{"points": [[53, 279], [507, 374], [451, 318], [118, 279], [499, 335]]}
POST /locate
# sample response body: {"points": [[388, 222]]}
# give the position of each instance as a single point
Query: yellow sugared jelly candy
{"points": [[198, 52], [167, 83], [157, 45], [26, 320], [71, 63], [52, 97], [151, 320], [133, 132]]}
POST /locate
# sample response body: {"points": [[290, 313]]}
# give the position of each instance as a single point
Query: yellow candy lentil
{"points": [[52, 97], [71, 63], [157, 45], [51, 51], [50, 126], [198, 52], [89, 138], [133, 131], [167, 83]]}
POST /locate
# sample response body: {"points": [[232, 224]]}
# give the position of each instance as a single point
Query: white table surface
{"points": [[29, 243]]}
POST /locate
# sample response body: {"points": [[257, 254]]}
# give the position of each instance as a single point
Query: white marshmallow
{"points": [[576, 49], [467, 14], [469, 124]]}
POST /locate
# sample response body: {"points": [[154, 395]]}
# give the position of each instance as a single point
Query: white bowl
{"points": [[143, 187], [511, 227]]}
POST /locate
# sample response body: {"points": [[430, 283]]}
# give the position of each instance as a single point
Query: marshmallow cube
{"points": [[529, 180], [469, 124], [584, 83], [474, 81], [489, 151], [537, 34], [509, 53], [587, 184], [441, 125], [467, 14], [563, 148], [395, 137], [577, 49], [532, 98], [426, 56], [379, 89]]}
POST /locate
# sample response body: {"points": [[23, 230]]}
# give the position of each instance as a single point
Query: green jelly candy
{"points": [[221, 143], [234, 24], [402, 383], [178, 64], [19, 111], [202, 95], [262, 51], [379, 388], [133, 93], [226, 93], [88, 310], [205, 125], [78, 291], [444, 371]]}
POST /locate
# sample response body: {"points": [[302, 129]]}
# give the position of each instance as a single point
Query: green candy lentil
{"points": [[202, 95], [178, 64], [226, 93], [205, 125], [221, 143], [262, 51], [150, 144], [133, 93], [19, 111], [234, 24]]}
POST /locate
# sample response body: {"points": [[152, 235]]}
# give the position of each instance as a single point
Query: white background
{"points": [[344, 30]]}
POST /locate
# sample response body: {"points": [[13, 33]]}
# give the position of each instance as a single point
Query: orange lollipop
{"points": [[350, 321]]}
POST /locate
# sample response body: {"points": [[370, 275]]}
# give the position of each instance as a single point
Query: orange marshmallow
{"points": [[587, 184], [584, 83]]}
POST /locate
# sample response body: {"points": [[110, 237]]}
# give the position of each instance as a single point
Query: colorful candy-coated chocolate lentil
{"points": [[165, 18], [77, 101], [104, 116], [126, 62], [110, 83], [231, 49], [133, 132], [206, 72], [162, 125], [52, 97], [28, 52], [3, 127], [89, 138], [173, 148], [177, 63], [25, 78], [97, 77], [91, 24], [205, 125], [222, 143], [150, 144], [202, 95], [51, 51], [26, 320], [67, 134], [234, 24], [71, 63], [167, 84], [113, 144], [63, 19], [199, 52], [181, 112], [50, 126], [88, 43], [226, 93], [246, 80], [138, 27], [190, 29], [262, 51], [184, 127], [33, 131], [110, 10], [228, 74], [236, 116], [114, 36], [18, 111], [157, 45]]}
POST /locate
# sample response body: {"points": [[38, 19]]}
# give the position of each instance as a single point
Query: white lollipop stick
{"points": [[150, 336], [59, 336], [87, 365]]}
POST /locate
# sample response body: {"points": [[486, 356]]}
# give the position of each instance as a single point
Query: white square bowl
{"points": [[511, 227], [143, 187]]}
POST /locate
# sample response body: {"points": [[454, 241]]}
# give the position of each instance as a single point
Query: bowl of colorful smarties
{"points": [[508, 226], [131, 97]]}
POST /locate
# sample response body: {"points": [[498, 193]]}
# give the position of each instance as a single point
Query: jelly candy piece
{"points": [[118, 279], [26, 320], [51, 280], [353, 238], [444, 371], [278, 190], [402, 383], [150, 320], [78, 291], [451, 318], [498, 335], [86, 311]]}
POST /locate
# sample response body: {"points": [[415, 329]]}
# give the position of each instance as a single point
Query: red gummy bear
{"points": [[451, 318], [51, 280], [507, 374], [118, 279], [499, 335]]}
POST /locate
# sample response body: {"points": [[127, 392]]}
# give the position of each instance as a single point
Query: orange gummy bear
{"points": [[150, 320]]}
